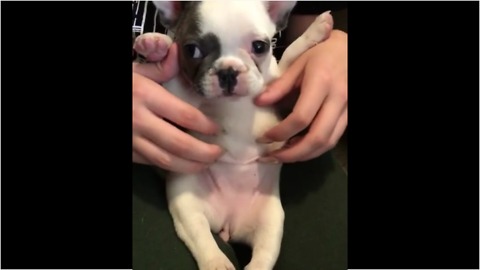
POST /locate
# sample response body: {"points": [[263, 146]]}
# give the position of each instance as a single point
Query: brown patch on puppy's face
{"points": [[197, 53]]}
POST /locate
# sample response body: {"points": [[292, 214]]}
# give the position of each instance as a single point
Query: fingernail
{"points": [[268, 160], [261, 95], [222, 153], [264, 140]]}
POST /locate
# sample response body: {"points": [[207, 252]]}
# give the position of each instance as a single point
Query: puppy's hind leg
{"points": [[195, 232], [193, 229], [267, 237], [317, 32]]}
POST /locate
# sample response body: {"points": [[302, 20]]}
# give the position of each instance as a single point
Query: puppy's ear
{"points": [[169, 11], [279, 12]]}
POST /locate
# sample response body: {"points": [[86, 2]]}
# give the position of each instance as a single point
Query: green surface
{"points": [[314, 196]]}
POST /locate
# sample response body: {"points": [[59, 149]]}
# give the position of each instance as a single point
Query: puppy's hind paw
{"points": [[218, 263], [256, 264], [255, 267], [153, 46]]}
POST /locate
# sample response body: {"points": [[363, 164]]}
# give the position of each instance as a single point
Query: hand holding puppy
{"points": [[319, 80], [155, 140]]}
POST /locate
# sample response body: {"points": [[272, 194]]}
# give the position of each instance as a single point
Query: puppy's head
{"points": [[224, 45]]}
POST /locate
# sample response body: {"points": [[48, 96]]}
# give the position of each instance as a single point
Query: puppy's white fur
{"points": [[237, 197]]}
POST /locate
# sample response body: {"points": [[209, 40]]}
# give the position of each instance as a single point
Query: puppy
{"points": [[226, 59]]}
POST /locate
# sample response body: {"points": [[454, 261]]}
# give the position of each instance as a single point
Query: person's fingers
{"points": [[319, 136], [137, 158], [173, 140], [160, 71], [166, 105], [326, 120], [182, 114], [283, 85], [314, 90], [334, 138], [163, 159]]}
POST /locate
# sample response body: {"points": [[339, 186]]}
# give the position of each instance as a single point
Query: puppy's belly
{"points": [[235, 195]]}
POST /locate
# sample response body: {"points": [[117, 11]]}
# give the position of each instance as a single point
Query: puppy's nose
{"points": [[227, 79]]}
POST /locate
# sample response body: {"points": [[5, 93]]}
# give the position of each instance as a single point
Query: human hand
{"points": [[156, 141], [319, 79]]}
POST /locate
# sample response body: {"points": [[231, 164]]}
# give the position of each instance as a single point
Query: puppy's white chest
{"points": [[242, 124]]}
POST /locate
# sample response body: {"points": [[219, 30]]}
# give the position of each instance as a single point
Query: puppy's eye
{"points": [[259, 46], [193, 51]]}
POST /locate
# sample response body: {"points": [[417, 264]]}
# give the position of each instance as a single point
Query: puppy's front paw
{"points": [[153, 46], [256, 266], [325, 19], [221, 262], [322, 27]]}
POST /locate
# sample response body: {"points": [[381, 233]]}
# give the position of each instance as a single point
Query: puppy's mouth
{"points": [[227, 82]]}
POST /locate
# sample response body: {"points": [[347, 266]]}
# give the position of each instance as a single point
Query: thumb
{"points": [[160, 71], [283, 85]]}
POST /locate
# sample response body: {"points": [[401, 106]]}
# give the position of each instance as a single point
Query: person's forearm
{"points": [[299, 23]]}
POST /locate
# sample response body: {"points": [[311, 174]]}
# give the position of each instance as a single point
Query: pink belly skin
{"points": [[235, 193]]}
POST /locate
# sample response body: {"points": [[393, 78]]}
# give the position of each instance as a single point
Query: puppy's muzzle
{"points": [[227, 79]]}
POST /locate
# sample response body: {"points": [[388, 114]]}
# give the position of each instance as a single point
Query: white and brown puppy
{"points": [[226, 59]]}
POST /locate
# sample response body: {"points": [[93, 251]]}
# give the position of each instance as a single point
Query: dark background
{"points": [[413, 135]]}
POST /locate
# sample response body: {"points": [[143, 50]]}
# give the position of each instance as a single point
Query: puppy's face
{"points": [[225, 46]]}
